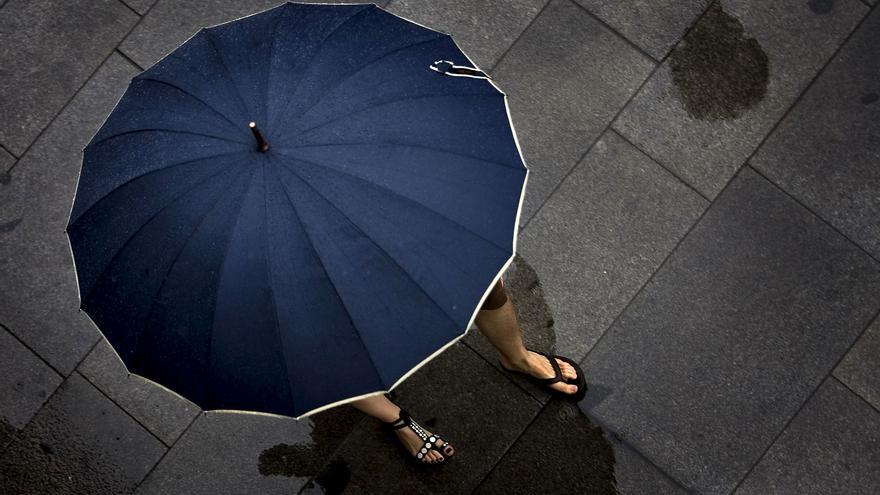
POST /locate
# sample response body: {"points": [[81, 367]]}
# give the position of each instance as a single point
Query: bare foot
{"points": [[414, 444], [538, 366]]}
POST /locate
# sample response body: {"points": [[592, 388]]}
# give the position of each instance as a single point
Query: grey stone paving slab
{"points": [[41, 305], [225, 452], [601, 236], [731, 335], [171, 22], [140, 6], [860, 368], [6, 162], [729, 81], [566, 78], [458, 396], [49, 50], [635, 475], [825, 152], [831, 446], [79, 443], [25, 384], [655, 25], [159, 409], [483, 29]]}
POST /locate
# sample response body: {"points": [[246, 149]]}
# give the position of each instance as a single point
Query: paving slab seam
{"points": [[815, 214], [516, 439], [13, 155], [616, 116], [120, 407], [664, 167], [807, 400], [85, 81], [841, 382], [129, 8], [506, 375], [159, 460], [609, 432], [129, 59], [37, 412], [504, 53], [26, 346], [618, 33]]}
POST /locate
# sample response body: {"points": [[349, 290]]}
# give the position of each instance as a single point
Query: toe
{"points": [[568, 370], [565, 387]]}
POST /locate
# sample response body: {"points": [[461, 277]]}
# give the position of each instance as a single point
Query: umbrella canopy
{"points": [[296, 209]]}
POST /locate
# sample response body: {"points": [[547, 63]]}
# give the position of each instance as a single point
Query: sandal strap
{"points": [[403, 420], [556, 369]]}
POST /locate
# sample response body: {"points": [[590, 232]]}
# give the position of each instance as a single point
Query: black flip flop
{"points": [[580, 381]]}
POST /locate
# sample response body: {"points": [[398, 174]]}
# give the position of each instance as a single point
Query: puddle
{"points": [[869, 98], [303, 460], [309, 459], [718, 72]]}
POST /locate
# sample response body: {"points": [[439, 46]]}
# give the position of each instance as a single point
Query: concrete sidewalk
{"points": [[701, 231]]}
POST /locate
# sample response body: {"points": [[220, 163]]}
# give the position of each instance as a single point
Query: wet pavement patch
{"points": [[562, 451], [717, 70], [60, 465]]}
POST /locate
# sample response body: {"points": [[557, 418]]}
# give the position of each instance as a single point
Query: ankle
{"points": [[518, 361]]}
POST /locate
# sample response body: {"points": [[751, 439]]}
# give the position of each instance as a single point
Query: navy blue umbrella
{"points": [[296, 209]]}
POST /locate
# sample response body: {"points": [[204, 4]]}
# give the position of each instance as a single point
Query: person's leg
{"points": [[497, 320], [379, 407]]}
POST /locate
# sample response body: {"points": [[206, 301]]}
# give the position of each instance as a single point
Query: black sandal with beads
{"points": [[430, 440]]}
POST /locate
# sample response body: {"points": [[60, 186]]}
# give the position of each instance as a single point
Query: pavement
{"points": [[701, 230]]}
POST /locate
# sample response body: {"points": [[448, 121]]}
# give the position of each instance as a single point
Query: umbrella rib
{"points": [[420, 146], [271, 55], [389, 102], [210, 37], [151, 172], [194, 97], [312, 58], [406, 198], [189, 237], [173, 131], [339, 82], [85, 296], [272, 290], [364, 234], [453, 262], [332, 284]]}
